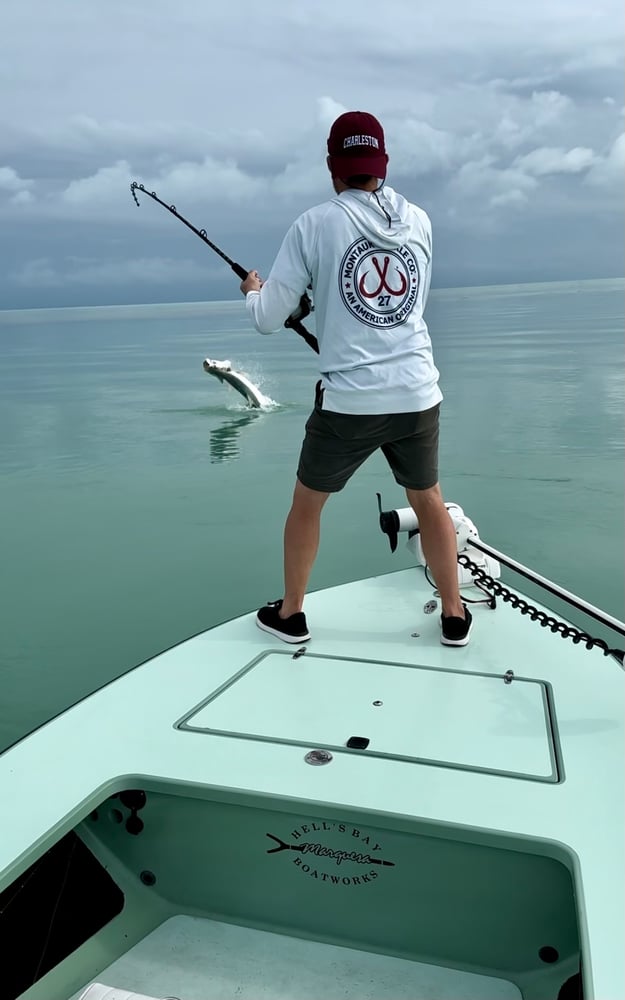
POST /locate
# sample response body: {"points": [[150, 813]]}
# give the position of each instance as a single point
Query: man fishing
{"points": [[367, 252]]}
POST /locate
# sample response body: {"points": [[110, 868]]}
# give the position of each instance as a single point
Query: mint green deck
{"points": [[499, 805]]}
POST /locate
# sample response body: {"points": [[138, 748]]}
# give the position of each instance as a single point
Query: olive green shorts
{"points": [[336, 444]]}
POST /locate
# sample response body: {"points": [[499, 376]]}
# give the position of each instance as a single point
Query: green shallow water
{"points": [[141, 502]]}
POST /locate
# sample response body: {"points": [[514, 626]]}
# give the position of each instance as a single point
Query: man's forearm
{"points": [[271, 305]]}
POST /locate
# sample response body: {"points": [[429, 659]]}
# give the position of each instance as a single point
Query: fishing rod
{"points": [[293, 322]]}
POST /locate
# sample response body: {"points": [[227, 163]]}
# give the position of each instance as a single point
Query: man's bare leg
{"points": [[438, 539], [301, 542]]}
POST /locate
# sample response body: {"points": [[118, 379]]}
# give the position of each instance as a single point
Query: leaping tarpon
{"points": [[224, 371]]}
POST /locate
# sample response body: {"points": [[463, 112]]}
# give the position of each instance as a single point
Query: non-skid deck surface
{"points": [[197, 959]]}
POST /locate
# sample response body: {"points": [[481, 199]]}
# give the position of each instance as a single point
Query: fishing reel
{"points": [[404, 519], [303, 310]]}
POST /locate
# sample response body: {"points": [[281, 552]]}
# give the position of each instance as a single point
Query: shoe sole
{"points": [[457, 642], [304, 637]]}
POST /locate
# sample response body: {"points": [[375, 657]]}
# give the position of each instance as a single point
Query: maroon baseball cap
{"points": [[356, 146]]}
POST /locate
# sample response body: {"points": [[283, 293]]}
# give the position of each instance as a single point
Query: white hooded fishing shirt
{"points": [[368, 258]]}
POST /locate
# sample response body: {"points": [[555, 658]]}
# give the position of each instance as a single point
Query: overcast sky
{"points": [[503, 120]]}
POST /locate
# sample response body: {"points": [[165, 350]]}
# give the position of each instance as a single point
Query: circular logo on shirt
{"points": [[379, 287]]}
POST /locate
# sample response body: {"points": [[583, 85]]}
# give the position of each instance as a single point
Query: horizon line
{"points": [[212, 302]]}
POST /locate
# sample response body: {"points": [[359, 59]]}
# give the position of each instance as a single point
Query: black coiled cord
{"points": [[565, 631]]}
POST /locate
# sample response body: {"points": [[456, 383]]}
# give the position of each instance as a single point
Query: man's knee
{"points": [[308, 500], [425, 500]]}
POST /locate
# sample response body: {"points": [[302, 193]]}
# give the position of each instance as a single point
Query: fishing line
{"points": [[293, 322]]}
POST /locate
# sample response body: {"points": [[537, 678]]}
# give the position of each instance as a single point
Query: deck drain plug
{"points": [[318, 757]]}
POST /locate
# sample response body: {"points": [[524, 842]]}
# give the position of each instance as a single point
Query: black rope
{"points": [[293, 322], [381, 206], [484, 581], [54, 911], [34, 870]]}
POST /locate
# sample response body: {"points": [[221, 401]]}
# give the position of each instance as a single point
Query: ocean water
{"points": [[142, 502]]}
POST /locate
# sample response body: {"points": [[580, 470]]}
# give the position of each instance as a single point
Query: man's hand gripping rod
{"points": [[294, 321]]}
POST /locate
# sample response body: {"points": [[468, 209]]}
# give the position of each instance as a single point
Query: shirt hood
{"points": [[383, 216]]}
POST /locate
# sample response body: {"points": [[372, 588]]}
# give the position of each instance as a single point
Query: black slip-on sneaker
{"points": [[292, 629], [456, 631]]}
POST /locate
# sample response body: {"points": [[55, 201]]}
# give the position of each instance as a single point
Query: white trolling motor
{"points": [[392, 522]]}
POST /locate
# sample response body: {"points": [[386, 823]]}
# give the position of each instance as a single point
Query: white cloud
{"points": [[208, 180], [551, 160], [106, 193], [509, 133], [519, 120], [106, 183], [11, 181], [418, 148], [548, 106], [22, 197], [609, 170], [594, 57], [485, 180], [328, 110], [514, 198]]}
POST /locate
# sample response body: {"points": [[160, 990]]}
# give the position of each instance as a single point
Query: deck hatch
{"points": [[449, 718]]}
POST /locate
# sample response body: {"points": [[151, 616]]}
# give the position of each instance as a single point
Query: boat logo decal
{"points": [[338, 860], [379, 287]]}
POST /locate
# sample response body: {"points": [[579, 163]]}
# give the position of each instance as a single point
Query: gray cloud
{"points": [[504, 122], [46, 273]]}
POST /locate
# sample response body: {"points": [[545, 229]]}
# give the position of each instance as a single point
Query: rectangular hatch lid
{"points": [[459, 719]]}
